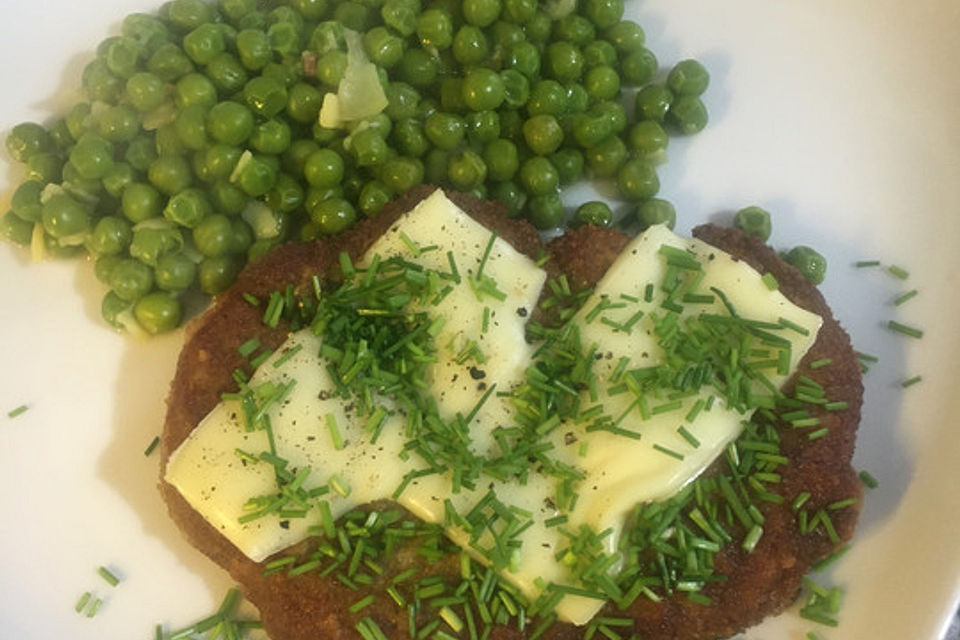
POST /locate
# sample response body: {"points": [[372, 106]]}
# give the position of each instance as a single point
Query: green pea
{"points": [[470, 45], [255, 176], [272, 137], [226, 73], [511, 195], [331, 66], [191, 126], [62, 217], [402, 173], [168, 62], [482, 89], [688, 78], [310, 9], [545, 211], [810, 263], [303, 102], [627, 36], [44, 166], [284, 38], [606, 158], [140, 202], [383, 48], [118, 124], [103, 267], [501, 159], [368, 147], [229, 122], [569, 164], [25, 201], [204, 43], [483, 126], [519, 11], [574, 28], [603, 13], [602, 83], [445, 130], [241, 236], [227, 198], [590, 130], [538, 27], [547, 97], [577, 99], [92, 157], [525, 58], [99, 83], [516, 88], [435, 29], [217, 162], [538, 176], [638, 67], [120, 176], [418, 68], [286, 194], [481, 13], [323, 168], [111, 307], [333, 215], [435, 166], [167, 141], [401, 15], [653, 101], [149, 31], [409, 138], [187, 208], [402, 101], [15, 229], [253, 49], [185, 15], [261, 247], [688, 115], [74, 182], [594, 212], [295, 157], [754, 221], [505, 35], [466, 170], [170, 174], [656, 211], [451, 95], [130, 279], [426, 108], [215, 275], [599, 52], [647, 138], [213, 235], [77, 120], [637, 180], [153, 240], [145, 91], [614, 112], [175, 272], [543, 134], [373, 197], [564, 61], [158, 312]]}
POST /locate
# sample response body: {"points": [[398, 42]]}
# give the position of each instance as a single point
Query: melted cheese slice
{"points": [[618, 471]]}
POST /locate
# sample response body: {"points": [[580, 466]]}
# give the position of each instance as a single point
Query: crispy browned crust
{"points": [[758, 584]]}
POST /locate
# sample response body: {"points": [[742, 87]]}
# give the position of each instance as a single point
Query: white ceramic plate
{"points": [[840, 117]]}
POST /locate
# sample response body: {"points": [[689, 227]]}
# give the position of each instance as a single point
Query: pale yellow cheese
{"points": [[619, 471]]}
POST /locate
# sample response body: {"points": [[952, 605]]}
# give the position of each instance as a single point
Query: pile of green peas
{"points": [[199, 148]]}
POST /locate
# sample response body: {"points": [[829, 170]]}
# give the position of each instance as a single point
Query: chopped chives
{"points": [[335, 436], [868, 480], [771, 281], [13, 413], [669, 452], [819, 364], [82, 602], [94, 607], [909, 382], [248, 347], [906, 330], [153, 445], [819, 433], [898, 272], [866, 357], [689, 437], [362, 603], [866, 263], [841, 504], [752, 538], [899, 300], [108, 576]]}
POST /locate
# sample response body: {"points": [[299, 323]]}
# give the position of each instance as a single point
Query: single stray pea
{"points": [[753, 221], [810, 263], [595, 212], [656, 211]]}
